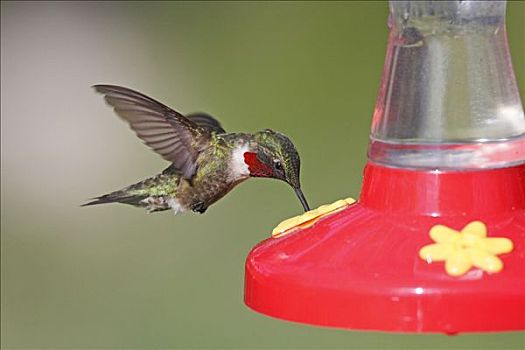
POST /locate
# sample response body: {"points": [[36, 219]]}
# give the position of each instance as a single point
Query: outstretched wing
{"points": [[206, 122], [167, 132]]}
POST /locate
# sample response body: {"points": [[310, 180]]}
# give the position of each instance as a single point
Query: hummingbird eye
{"points": [[277, 164]]}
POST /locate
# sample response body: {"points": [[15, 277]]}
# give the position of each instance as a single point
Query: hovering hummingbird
{"points": [[206, 161]]}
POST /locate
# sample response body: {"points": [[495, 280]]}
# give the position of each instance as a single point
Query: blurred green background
{"points": [[115, 277]]}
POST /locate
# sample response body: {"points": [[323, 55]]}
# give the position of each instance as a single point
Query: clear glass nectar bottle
{"points": [[448, 97]]}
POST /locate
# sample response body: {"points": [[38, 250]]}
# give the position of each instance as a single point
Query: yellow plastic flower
{"points": [[310, 217], [465, 249]]}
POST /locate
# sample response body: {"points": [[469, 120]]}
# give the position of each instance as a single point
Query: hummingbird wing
{"points": [[169, 133], [207, 122]]}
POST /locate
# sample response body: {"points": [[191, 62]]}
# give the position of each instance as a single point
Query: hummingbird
{"points": [[206, 161]]}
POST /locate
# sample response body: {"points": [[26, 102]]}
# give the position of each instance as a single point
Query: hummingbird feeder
{"points": [[436, 241]]}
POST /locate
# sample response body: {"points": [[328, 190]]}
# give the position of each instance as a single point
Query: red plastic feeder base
{"points": [[360, 269]]}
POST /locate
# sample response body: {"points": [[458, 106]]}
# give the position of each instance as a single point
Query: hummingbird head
{"points": [[275, 157]]}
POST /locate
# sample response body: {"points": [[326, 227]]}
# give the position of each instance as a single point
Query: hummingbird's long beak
{"points": [[302, 199]]}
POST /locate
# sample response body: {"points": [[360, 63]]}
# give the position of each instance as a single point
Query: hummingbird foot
{"points": [[199, 207]]}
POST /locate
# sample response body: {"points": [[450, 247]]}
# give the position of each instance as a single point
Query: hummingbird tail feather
{"points": [[117, 197], [152, 194]]}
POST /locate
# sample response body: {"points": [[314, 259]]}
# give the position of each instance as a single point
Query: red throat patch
{"points": [[256, 167]]}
